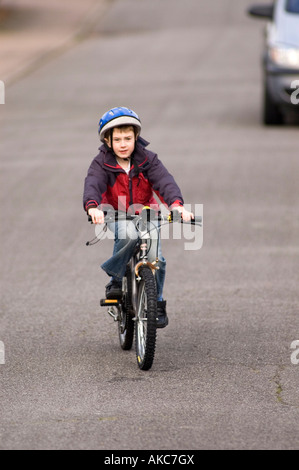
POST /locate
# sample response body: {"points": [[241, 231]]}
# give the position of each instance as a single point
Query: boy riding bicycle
{"points": [[125, 174]]}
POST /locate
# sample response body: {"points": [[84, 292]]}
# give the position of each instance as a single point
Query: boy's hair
{"points": [[122, 129]]}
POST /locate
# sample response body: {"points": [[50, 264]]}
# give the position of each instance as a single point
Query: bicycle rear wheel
{"points": [[126, 324], [146, 320]]}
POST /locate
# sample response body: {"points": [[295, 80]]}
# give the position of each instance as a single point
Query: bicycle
{"points": [[136, 310]]}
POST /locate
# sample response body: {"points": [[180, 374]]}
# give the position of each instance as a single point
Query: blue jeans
{"points": [[125, 240]]}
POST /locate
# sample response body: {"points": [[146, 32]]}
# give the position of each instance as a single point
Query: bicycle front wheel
{"points": [[146, 320]]}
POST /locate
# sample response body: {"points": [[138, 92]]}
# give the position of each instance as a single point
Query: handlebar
{"points": [[148, 214]]}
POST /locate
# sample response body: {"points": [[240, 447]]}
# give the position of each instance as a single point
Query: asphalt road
{"points": [[222, 376]]}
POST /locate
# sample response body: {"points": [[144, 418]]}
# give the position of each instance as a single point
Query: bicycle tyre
{"points": [[146, 321], [126, 324]]}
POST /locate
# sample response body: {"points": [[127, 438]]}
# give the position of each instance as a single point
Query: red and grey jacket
{"points": [[108, 183]]}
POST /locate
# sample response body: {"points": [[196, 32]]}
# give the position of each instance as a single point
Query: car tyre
{"points": [[272, 114]]}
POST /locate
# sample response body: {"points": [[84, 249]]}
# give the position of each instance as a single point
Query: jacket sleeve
{"points": [[95, 185], [163, 184]]}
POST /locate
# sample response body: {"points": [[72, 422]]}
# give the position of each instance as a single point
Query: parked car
{"points": [[280, 60]]}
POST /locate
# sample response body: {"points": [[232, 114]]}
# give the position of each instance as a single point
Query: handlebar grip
{"points": [[196, 220], [90, 218], [175, 216], [114, 216]]}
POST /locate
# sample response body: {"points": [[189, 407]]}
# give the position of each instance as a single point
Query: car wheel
{"points": [[272, 114]]}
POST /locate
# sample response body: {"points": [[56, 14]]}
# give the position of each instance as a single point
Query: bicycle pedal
{"points": [[109, 302]]}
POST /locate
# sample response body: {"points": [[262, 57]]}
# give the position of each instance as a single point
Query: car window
{"points": [[292, 6]]}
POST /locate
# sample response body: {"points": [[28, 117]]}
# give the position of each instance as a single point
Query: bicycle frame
{"points": [[139, 259]]}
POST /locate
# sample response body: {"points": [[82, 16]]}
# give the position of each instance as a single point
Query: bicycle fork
{"points": [[135, 267]]}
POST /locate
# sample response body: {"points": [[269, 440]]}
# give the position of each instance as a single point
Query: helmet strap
{"points": [[110, 148], [111, 142]]}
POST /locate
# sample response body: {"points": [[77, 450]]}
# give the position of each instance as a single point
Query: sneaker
{"points": [[114, 290], [162, 320]]}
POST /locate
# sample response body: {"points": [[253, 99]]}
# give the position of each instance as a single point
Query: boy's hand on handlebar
{"points": [[97, 216], [186, 215]]}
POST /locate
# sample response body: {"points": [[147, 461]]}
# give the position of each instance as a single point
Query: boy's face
{"points": [[123, 142]]}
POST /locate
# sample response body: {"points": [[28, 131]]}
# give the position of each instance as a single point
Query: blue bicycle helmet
{"points": [[118, 117]]}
